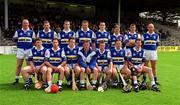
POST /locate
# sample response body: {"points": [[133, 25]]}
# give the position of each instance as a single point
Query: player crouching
{"points": [[71, 52], [103, 61], [37, 66], [136, 60], [55, 60], [119, 58], [87, 63]]}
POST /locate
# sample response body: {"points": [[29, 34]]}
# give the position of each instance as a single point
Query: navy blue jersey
{"points": [[82, 36], [37, 56], [150, 41], [55, 57], [131, 36], [87, 59], [103, 36], [71, 54], [118, 56], [103, 58], [64, 37], [47, 38], [114, 38], [24, 38], [136, 57]]}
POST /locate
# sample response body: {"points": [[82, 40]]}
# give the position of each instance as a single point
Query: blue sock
{"points": [[69, 78], [155, 78], [144, 78]]}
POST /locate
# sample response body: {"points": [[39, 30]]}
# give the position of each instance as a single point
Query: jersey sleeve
{"points": [[15, 37]]}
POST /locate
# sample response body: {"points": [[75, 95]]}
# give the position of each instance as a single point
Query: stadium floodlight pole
{"points": [[6, 13], [119, 11]]}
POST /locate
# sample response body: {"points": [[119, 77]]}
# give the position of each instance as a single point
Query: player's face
{"points": [[102, 46], [66, 25], [150, 27], [46, 26], [25, 24], [38, 43], [86, 45], [85, 25], [132, 28], [118, 44], [102, 26], [55, 43], [72, 43], [138, 43], [117, 30]]}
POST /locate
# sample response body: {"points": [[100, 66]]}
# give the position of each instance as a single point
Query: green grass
{"points": [[168, 73]]}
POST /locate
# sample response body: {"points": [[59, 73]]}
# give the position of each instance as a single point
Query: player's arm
{"points": [[110, 61], [81, 61], [30, 59], [77, 38], [64, 59], [15, 37], [94, 41]]}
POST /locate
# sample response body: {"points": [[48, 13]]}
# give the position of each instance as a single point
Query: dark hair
{"points": [[132, 25], [72, 38], [138, 40], [56, 39], [118, 40], [38, 39]]}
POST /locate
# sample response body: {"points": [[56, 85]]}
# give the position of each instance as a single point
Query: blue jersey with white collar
{"points": [[71, 54], [64, 37], [103, 58], [37, 56], [114, 38], [47, 38], [131, 36], [82, 36], [24, 38], [55, 57], [136, 57], [150, 41], [87, 59], [118, 56], [103, 36]]}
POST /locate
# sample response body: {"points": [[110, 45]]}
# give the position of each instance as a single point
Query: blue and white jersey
{"points": [[118, 56], [47, 38], [103, 36], [115, 37], [55, 57], [24, 38], [103, 58], [87, 59], [64, 37], [37, 56], [131, 36], [82, 36], [136, 57], [150, 41], [71, 54]]}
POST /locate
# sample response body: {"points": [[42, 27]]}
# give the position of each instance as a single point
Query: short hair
{"points": [[46, 21], [102, 22], [55, 39], [72, 38], [118, 40], [139, 39], [131, 25], [86, 41], [66, 21], [38, 39], [116, 25], [85, 21]]}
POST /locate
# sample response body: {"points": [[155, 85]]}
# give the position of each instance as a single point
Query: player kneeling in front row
{"points": [[87, 63], [136, 60], [119, 58], [104, 62], [71, 53], [37, 65], [55, 60]]}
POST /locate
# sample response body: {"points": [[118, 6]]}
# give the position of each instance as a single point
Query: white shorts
{"points": [[120, 67], [103, 69], [23, 54], [151, 55]]}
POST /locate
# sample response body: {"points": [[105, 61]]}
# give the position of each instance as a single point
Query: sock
{"points": [[69, 78], [144, 78], [17, 77], [135, 82], [155, 78], [49, 83], [94, 82], [82, 82], [152, 82], [60, 82]]}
